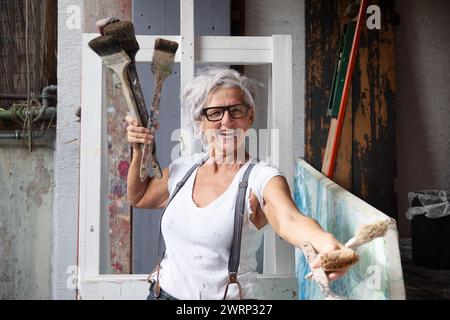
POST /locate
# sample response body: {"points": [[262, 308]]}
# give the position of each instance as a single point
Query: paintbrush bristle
{"points": [[105, 46], [371, 231], [339, 259], [123, 32], [101, 24], [163, 57], [166, 45]]}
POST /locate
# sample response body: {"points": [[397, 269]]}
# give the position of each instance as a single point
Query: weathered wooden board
{"points": [[366, 158], [97, 9], [378, 275], [119, 153], [374, 86]]}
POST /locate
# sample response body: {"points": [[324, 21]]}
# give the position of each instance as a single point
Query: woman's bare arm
{"points": [[293, 226]]}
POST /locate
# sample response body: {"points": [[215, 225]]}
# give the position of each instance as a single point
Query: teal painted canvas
{"points": [[378, 274]]}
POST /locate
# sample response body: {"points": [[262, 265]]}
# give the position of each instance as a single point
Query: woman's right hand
{"points": [[136, 134]]}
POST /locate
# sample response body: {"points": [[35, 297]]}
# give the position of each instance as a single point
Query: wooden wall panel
{"points": [[322, 34], [97, 9], [366, 159], [374, 165], [343, 171]]}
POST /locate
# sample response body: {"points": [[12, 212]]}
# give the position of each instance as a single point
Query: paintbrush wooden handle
{"points": [[318, 274], [129, 98], [154, 110], [148, 152], [134, 113], [119, 63], [149, 163], [137, 93]]}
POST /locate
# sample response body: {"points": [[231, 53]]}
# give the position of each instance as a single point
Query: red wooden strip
{"points": [[328, 170]]}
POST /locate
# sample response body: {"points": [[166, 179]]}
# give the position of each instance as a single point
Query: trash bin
{"points": [[430, 228]]}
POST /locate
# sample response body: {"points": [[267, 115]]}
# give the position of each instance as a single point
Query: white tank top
{"points": [[198, 240]]}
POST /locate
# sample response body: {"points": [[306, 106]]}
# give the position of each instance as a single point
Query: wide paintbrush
{"points": [[162, 66], [116, 59], [123, 32], [345, 257], [369, 232]]}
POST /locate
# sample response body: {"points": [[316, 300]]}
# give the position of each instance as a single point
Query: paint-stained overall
{"points": [[118, 148], [366, 158]]}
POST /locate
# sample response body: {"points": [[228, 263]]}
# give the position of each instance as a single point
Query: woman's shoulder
{"points": [[264, 166], [262, 173]]}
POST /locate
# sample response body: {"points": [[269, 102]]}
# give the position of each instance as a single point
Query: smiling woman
{"points": [[225, 121], [217, 200]]}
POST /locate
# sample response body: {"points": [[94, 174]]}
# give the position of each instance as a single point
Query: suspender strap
{"points": [[235, 254]]}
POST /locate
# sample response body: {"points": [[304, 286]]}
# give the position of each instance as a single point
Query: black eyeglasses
{"points": [[237, 111]]}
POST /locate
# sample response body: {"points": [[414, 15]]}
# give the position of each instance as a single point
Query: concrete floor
{"points": [[422, 283]]}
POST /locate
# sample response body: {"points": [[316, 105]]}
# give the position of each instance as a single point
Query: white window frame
{"points": [[275, 51]]}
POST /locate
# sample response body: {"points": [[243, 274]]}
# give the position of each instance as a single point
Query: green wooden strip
{"points": [[330, 112], [348, 35]]}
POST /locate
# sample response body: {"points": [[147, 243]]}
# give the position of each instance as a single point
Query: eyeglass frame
{"points": [[226, 108]]}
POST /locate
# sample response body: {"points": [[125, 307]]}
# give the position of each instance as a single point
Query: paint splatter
{"points": [[123, 168]]}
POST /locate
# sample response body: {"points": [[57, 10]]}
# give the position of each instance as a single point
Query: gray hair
{"points": [[207, 80]]}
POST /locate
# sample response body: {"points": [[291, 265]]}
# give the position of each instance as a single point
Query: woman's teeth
{"points": [[228, 133]]}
